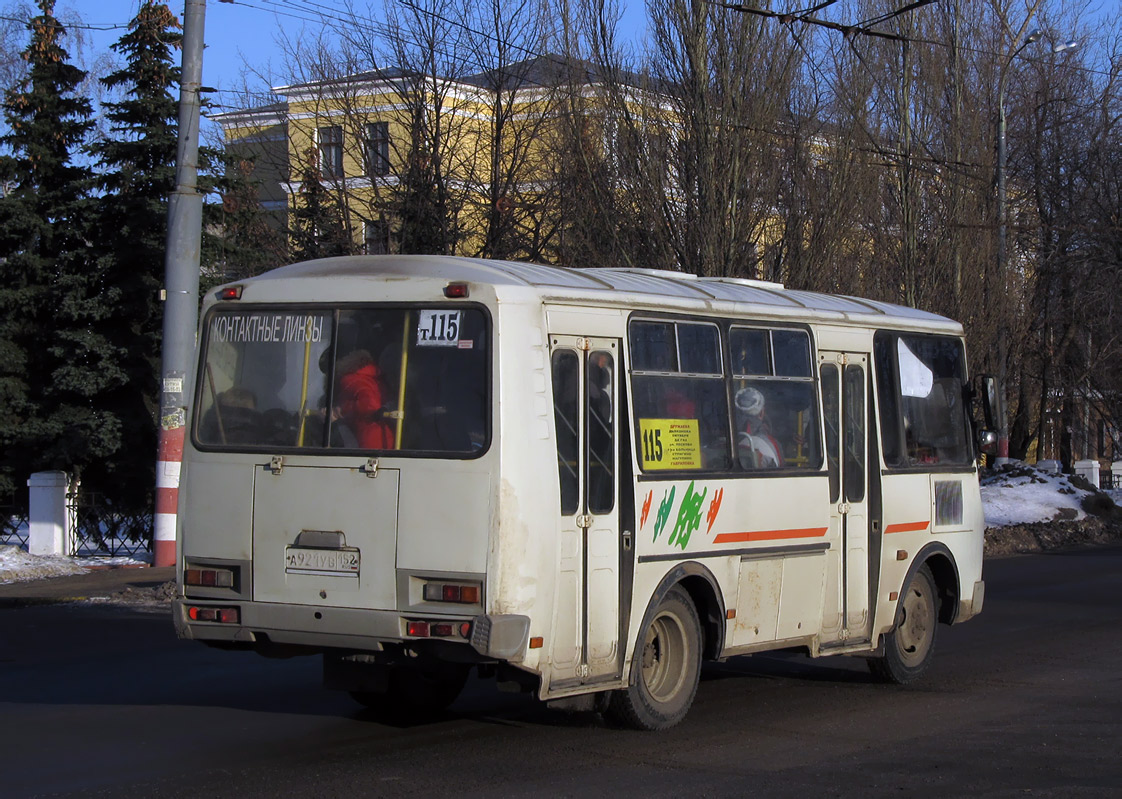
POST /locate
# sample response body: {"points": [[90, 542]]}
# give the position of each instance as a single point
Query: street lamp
{"points": [[1003, 324]]}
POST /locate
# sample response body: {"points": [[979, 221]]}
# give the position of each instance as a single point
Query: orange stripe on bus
{"points": [[769, 535], [906, 527]]}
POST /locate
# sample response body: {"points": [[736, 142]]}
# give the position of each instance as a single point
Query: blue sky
{"points": [[247, 30], [235, 32]]}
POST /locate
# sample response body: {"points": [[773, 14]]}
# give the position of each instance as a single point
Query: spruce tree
{"points": [[248, 244], [318, 230], [137, 175], [54, 359], [420, 204]]}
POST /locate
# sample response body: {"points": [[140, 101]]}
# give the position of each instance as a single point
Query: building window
{"points": [[330, 152], [378, 149], [377, 238]]}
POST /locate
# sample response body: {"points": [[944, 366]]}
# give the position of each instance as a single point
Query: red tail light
{"points": [[219, 615], [418, 629]]}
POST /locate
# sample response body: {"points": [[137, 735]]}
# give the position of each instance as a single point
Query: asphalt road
{"points": [[1026, 699]]}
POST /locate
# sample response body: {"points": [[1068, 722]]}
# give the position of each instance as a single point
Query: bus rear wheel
{"points": [[427, 689], [665, 669], [908, 648]]}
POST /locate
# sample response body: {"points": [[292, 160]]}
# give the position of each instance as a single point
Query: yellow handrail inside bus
{"points": [[800, 459], [401, 383], [304, 385]]}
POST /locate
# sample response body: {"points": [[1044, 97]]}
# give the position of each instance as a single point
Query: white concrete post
{"points": [[49, 530], [1088, 470], [1050, 466]]}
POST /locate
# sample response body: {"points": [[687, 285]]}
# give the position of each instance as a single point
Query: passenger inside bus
{"points": [[233, 419], [757, 447], [358, 401]]}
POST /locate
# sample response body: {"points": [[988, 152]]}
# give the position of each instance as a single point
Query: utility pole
{"points": [[181, 290]]}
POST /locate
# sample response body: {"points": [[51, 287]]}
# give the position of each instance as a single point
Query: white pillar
{"points": [[1050, 466], [48, 522], [1088, 470]]}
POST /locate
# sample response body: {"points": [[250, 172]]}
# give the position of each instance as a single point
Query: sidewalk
{"points": [[95, 583]]}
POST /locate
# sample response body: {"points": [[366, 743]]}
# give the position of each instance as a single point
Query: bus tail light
{"points": [[451, 592], [219, 615], [438, 629], [230, 293], [456, 291], [209, 578]]}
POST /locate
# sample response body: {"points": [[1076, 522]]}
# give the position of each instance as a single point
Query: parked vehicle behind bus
{"points": [[583, 482]]}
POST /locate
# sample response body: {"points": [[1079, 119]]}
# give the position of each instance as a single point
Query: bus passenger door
{"points": [[844, 379], [585, 646]]}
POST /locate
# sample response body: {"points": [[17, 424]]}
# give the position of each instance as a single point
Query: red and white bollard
{"points": [[168, 464]]}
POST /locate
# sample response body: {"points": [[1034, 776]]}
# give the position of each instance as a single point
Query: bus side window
{"points": [[854, 433], [774, 399], [678, 374], [831, 410], [599, 383], [566, 415]]}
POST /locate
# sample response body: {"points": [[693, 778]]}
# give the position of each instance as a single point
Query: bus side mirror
{"points": [[987, 389]]}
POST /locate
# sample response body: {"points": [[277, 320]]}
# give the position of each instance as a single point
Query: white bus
{"points": [[583, 482]]}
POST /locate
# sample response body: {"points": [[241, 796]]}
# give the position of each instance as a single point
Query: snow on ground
{"points": [[1022, 494], [17, 566]]}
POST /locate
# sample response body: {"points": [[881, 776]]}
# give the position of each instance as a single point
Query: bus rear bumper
{"points": [[263, 625]]}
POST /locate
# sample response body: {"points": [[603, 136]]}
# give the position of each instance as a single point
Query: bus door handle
{"points": [[626, 540]]}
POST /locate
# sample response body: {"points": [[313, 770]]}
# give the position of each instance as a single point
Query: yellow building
{"points": [[474, 160]]}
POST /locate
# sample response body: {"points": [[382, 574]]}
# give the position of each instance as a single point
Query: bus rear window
{"points": [[372, 379]]}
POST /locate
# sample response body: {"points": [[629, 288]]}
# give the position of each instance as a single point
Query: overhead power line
{"points": [[85, 26]]}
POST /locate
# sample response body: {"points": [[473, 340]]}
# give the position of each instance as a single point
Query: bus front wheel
{"points": [[664, 670], [911, 643]]}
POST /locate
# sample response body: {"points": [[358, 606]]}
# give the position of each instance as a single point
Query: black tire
{"points": [[665, 669], [411, 690], [909, 647]]}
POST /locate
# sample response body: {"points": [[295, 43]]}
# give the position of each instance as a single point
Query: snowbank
{"points": [[1022, 494], [17, 566]]}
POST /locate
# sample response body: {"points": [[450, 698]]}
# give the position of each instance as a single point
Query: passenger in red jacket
{"points": [[359, 402]]}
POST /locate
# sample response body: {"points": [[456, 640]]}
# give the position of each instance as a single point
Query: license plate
{"points": [[327, 562]]}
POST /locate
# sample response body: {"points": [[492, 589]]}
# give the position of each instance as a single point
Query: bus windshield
{"points": [[412, 380]]}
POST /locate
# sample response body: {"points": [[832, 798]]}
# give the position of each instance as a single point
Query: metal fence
{"points": [[102, 529], [14, 528]]}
